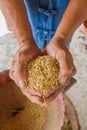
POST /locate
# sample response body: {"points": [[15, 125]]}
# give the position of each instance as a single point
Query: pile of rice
{"points": [[32, 117], [43, 74]]}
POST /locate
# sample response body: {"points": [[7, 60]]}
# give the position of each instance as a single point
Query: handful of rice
{"points": [[43, 73]]}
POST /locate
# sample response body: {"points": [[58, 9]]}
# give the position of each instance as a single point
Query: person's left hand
{"points": [[67, 69]]}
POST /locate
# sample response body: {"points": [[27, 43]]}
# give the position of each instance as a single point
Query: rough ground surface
{"points": [[78, 94]]}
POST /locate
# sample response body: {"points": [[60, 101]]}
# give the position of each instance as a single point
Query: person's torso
{"points": [[44, 17]]}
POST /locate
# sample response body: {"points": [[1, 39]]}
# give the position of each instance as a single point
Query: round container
{"points": [[71, 113], [12, 102]]}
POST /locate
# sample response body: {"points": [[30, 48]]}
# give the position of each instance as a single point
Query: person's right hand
{"points": [[25, 54]]}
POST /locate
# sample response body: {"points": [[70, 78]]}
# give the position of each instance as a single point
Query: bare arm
{"points": [[75, 14], [16, 16]]}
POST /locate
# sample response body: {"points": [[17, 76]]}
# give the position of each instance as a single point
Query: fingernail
{"points": [[21, 83]]}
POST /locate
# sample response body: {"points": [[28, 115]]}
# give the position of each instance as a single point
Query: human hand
{"points": [[25, 54], [67, 68]]}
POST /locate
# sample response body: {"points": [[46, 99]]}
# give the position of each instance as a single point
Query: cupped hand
{"points": [[67, 69], [25, 54]]}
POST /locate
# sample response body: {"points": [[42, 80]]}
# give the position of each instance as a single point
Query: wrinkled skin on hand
{"points": [[67, 68], [28, 53], [25, 54]]}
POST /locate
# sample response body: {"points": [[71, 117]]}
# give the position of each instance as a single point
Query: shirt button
{"points": [[45, 32]]}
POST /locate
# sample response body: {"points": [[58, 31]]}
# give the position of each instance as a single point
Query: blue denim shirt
{"points": [[44, 17]]}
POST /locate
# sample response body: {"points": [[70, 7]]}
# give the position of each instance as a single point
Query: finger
{"points": [[12, 69], [18, 79], [34, 99], [51, 97], [73, 70], [22, 83], [18, 74], [65, 76], [64, 80], [66, 63], [38, 100], [18, 69], [33, 92]]}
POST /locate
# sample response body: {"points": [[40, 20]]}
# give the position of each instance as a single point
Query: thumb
{"points": [[19, 76]]}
